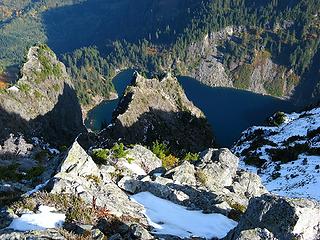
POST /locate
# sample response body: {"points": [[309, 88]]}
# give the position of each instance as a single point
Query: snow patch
{"points": [[168, 218], [301, 176], [47, 218]]}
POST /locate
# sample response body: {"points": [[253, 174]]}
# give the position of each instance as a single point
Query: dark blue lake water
{"points": [[103, 112], [229, 111]]}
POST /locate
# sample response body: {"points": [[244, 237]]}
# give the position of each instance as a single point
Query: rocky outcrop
{"points": [[218, 167], [255, 234], [80, 176], [211, 184], [144, 158], [208, 59], [43, 102], [283, 218], [153, 110], [23, 164]]}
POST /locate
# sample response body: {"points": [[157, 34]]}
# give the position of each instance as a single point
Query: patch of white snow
{"points": [[47, 218], [168, 218]]}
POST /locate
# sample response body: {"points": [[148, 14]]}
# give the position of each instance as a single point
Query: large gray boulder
{"points": [[78, 163], [217, 168], [183, 174], [285, 218], [144, 158], [138, 161]]}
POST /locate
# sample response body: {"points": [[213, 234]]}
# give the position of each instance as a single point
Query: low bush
{"points": [[118, 151], [191, 157], [100, 156], [170, 161], [289, 153], [277, 119], [161, 150], [255, 161]]}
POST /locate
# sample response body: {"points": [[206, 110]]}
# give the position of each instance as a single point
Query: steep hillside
{"points": [[42, 102], [286, 156], [214, 67]]}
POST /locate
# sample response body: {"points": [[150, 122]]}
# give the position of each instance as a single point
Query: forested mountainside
{"points": [[273, 47]]}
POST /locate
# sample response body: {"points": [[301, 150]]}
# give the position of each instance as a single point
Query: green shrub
{"points": [[313, 133], [10, 173], [118, 151], [100, 156], [63, 148], [275, 175], [191, 157], [161, 150], [41, 156]]}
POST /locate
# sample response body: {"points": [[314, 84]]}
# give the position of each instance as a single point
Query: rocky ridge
{"points": [[153, 109], [41, 100]]}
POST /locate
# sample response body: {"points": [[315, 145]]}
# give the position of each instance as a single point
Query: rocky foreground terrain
{"points": [[147, 177]]}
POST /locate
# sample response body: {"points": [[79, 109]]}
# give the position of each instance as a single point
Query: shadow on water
{"points": [[230, 111], [103, 112]]}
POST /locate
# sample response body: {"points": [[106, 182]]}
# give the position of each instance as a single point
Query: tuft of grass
{"points": [[161, 150], [94, 178], [75, 208], [201, 177]]}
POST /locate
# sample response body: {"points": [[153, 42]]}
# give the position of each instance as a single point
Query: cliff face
{"points": [[153, 110], [42, 102], [260, 74]]}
